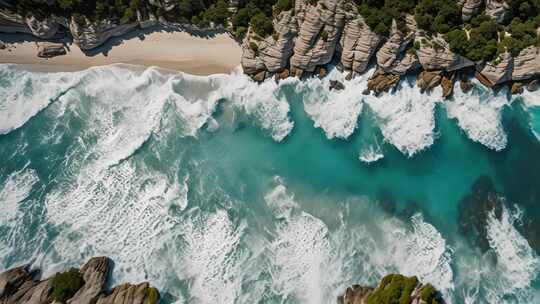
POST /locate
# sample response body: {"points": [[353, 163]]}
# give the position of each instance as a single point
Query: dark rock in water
{"points": [[84, 286], [49, 50], [447, 84], [366, 91], [426, 81], [517, 88], [259, 77], [533, 85], [322, 72], [349, 76], [382, 82], [336, 85], [393, 288], [282, 75], [474, 210], [465, 85]]}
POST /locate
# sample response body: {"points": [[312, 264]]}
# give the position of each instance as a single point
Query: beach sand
{"points": [[171, 50]]}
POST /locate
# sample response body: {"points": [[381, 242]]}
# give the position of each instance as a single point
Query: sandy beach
{"points": [[166, 49]]}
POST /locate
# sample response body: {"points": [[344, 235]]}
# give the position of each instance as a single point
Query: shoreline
{"points": [[172, 50]]}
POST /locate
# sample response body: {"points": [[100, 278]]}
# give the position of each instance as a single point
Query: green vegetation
{"points": [[394, 289], [429, 294], [379, 14], [66, 284], [152, 295]]}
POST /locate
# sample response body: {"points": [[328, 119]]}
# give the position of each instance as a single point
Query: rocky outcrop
{"points": [[470, 9], [48, 49], [527, 64], [500, 71], [13, 23], [358, 43], [393, 56], [20, 286], [435, 55], [319, 29], [447, 84], [428, 80], [381, 81], [88, 35], [393, 288], [271, 54], [496, 9]]}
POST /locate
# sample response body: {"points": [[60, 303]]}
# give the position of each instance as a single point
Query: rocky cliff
{"points": [[316, 33], [75, 286]]}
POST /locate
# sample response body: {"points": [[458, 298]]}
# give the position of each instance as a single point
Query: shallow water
{"points": [[217, 189]]}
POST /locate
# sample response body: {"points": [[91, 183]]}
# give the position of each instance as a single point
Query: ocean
{"points": [[220, 190]]}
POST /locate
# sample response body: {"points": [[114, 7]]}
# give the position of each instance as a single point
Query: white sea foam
{"points": [[260, 101], [479, 115], [24, 94], [406, 118], [336, 112], [517, 263], [211, 258], [15, 189], [371, 154]]}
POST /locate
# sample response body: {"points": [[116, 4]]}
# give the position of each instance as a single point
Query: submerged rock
{"points": [[336, 85], [393, 288], [465, 85], [474, 210]]}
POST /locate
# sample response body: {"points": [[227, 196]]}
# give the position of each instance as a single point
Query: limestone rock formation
{"points": [[393, 288], [19, 286], [381, 81], [393, 56], [358, 43], [527, 64], [13, 23], [470, 9], [435, 54], [319, 29], [447, 84], [498, 72], [88, 35], [428, 80]]}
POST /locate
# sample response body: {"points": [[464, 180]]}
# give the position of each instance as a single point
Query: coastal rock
{"points": [[474, 210], [426, 80], [392, 56], [336, 85], [496, 9], [358, 43], [393, 288], [95, 273], [447, 84], [49, 49], [527, 64], [88, 35], [465, 85], [381, 81], [12, 279], [483, 79], [470, 9], [319, 29], [132, 294], [500, 71], [517, 88], [435, 54], [33, 293], [533, 85]]}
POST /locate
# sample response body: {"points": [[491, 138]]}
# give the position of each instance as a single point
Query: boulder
{"points": [[95, 273], [356, 294], [319, 30], [465, 85], [533, 85], [336, 85], [284, 74], [49, 49], [382, 82], [517, 88], [499, 71], [426, 80], [259, 76], [470, 9], [527, 64], [483, 79], [447, 84]]}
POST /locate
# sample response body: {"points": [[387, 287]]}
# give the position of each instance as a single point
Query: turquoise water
{"points": [[220, 190]]}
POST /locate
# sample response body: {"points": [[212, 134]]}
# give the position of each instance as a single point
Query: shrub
{"points": [[152, 295], [262, 25], [66, 284], [394, 289]]}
